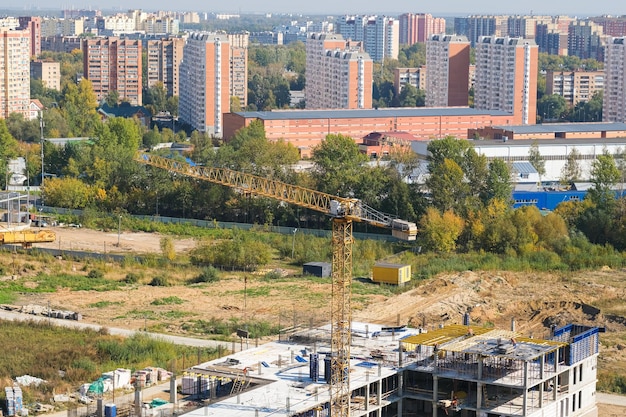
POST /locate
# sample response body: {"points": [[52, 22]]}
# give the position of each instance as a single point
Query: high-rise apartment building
{"points": [[339, 74], [418, 27], [33, 25], [47, 71], [380, 34], [614, 103], [611, 25], [164, 58], [476, 26], [113, 64], [447, 61], [204, 92], [62, 27], [585, 40], [15, 72], [506, 77], [238, 75], [524, 26]]}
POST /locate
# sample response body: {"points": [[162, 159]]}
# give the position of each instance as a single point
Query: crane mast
{"points": [[343, 211]]}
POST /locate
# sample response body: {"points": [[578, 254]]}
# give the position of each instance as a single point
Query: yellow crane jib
{"points": [[26, 238], [344, 211]]}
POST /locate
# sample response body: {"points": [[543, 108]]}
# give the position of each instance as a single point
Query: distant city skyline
{"points": [[328, 7]]}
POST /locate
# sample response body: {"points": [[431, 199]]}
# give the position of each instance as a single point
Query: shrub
{"points": [[160, 281], [208, 274], [273, 275], [95, 273], [132, 278]]}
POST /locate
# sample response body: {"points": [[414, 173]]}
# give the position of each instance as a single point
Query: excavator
{"points": [[27, 237], [343, 211]]}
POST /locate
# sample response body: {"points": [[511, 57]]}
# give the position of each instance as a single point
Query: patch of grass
{"points": [[263, 291], [51, 283], [83, 354], [7, 297], [223, 329], [176, 314], [103, 304], [167, 301]]}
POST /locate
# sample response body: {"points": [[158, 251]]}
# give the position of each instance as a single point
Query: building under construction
{"points": [[455, 370]]}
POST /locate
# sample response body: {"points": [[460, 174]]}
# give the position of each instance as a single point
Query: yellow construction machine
{"points": [[27, 237]]}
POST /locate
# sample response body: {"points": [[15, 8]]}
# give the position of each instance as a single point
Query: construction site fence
{"points": [[213, 224]]}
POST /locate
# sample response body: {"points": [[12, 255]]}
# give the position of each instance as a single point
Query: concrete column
{"points": [[213, 388], [368, 387], [400, 390], [435, 394], [173, 396], [525, 399], [379, 393]]}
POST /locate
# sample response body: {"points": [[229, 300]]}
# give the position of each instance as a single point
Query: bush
{"points": [[96, 274], [160, 281], [208, 274], [132, 278], [272, 275]]}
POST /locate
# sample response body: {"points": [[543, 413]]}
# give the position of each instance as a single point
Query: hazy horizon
{"points": [[326, 7]]}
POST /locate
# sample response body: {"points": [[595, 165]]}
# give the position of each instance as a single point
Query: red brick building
{"points": [[306, 129]]}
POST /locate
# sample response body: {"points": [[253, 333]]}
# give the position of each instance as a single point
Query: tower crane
{"points": [[344, 211]]}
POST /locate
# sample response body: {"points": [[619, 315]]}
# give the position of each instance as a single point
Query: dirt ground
{"points": [[533, 301], [71, 238]]}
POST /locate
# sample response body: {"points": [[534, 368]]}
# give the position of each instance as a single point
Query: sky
{"points": [[334, 7]]}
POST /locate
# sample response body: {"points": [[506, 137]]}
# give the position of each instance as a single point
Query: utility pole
{"points": [[293, 242], [119, 229]]}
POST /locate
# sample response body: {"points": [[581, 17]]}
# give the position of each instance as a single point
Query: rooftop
{"points": [[370, 113], [564, 127]]}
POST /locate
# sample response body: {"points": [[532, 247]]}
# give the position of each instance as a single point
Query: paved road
{"points": [[611, 399], [179, 340]]}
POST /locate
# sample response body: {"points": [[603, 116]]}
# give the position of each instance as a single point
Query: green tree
{"points": [[338, 165], [457, 175], [536, 160], [499, 181], [8, 149], [604, 176], [112, 98], [447, 185], [79, 106], [551, 107], [571, 171], [408, 96]]}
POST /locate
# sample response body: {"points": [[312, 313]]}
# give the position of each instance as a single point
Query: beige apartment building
{"points": [[447, 60], [574, 86], [238, 75], [113, 64], [506, 77], [614, 103], [47, 71], [14, 72], [164, 58], [205, 82], [413, 76], [339, 74]]}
